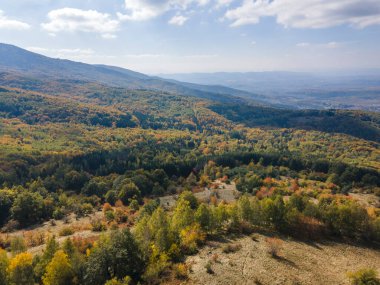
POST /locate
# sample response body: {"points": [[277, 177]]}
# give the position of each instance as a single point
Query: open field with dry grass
{"points": [[324, 263]]}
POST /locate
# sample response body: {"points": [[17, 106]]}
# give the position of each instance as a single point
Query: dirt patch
{"points": [[220, 190], [80, 227], [367, 200], [298, 263]]}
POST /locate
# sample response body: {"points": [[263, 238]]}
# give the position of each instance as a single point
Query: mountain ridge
{"points": [[24, 63]]}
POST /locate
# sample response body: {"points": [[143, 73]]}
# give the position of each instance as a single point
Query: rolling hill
{"points": [[31, 71]]}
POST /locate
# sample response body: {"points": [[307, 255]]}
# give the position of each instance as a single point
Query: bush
{"points": [[120, 216], [34, 238], [66, 231], [181, 271], [364, 277], [209, 268], [109, 216], [274, 246], [11, 226], [97, 225], [126, 281], [230, 248], [18, 245], [58, 214]]}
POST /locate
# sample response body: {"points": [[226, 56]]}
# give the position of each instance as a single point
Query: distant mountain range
{"points": [[340, 90]]}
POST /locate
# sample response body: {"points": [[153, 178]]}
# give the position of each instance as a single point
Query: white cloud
{"points": [[76, 20], [221, 3], [329, 45], [8, 24], [308, 14], [178, 20], [303, 44], [140, 10]]}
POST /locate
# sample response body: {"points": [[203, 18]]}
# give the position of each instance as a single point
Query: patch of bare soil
{"points": [[367, 200], [81, 227], [220, 190], [298, 263]]}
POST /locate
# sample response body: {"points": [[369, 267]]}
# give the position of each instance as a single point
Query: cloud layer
{"points": [[308, 14], [8, 24]]}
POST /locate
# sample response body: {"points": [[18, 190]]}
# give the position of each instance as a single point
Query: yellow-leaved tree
{"points": [[3, 266], [59, 270], [20, 269]]}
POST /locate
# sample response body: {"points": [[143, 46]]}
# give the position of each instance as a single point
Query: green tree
{"points": [[128, 191], [77, 260], [274, 211], [183, 216], [203, 216], [154, 229], [244, 209], [6, 201], [42, 261], [116, 257], [28, 208], [189, 196]]}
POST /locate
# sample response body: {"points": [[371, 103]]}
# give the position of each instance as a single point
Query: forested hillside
{"points": [[84, 147]]}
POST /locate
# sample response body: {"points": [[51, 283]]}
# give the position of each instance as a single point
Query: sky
{"points": [[183, 36]]}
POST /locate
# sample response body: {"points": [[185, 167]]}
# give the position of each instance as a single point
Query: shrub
{"points": [[18, 245], [58, 214], [209, 269], [126, 281], [82, 244], [120, 216], [109, 215], [181, 271], [215, 258], [66, 231], [230, 248], [274, 246], [11, 226], [97, 225], [255, 237], [34, 238], [134, 205], [364, 277], [191, 237], [107, 207]]}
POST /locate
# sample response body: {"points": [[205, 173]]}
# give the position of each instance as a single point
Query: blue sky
{"points": [[175, 36]]}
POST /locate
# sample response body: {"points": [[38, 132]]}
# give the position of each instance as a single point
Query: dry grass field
{"points": [[298, 263]]}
